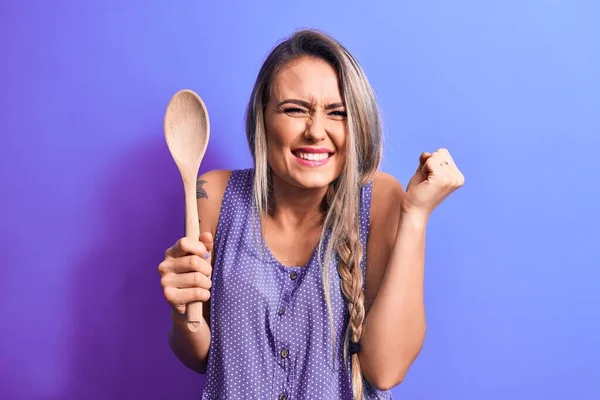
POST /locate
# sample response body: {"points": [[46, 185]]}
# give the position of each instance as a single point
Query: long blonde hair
{"points": [[342, 201]]}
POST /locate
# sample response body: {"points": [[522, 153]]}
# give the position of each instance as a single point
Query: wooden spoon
{"points": [[187, 130]]}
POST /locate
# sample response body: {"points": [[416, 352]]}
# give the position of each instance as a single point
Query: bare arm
{"points": [[394, 328], [191, 348]]}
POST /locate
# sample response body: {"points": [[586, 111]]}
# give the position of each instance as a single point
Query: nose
{"points": [[315, 128]]}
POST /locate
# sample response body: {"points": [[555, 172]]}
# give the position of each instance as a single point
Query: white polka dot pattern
{"points": [[271, 336]]}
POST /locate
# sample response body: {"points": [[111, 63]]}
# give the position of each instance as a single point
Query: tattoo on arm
{"points": [[200, 193]]}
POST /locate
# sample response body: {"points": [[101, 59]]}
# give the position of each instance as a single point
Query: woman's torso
{"points": [[270, 326]]}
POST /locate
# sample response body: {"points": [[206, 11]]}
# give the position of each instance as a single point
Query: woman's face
{"points": [[305, 120]]}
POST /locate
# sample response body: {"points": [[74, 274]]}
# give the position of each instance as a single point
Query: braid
{"points": [[350, 252]]}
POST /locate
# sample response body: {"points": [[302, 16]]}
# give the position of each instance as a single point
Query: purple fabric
{"points": [[271, 334]]}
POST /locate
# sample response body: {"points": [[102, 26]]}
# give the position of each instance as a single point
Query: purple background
{"points": [[91, 198]]}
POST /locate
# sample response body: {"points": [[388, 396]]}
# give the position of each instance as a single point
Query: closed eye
{"points": [[294, 110], [339, 113]]}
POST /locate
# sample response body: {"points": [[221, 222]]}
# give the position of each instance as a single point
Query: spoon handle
{"points": [[192, 230]]}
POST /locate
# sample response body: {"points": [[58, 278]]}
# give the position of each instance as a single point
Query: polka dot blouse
{"points": [[270, 329]]}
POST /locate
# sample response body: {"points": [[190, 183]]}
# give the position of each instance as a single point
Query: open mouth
{"points": [[312, 158]]}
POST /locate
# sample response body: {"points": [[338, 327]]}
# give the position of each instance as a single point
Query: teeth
{"points": [[313, 156]]}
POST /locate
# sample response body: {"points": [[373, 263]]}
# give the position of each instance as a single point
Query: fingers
{"points": [[444, 155], [185, 264], [426, 161], [437, 158], [184, 280], [433, 162], [442, 165], [186, 246], [178, 298], [207, 239], [187, 280], [185, 271], [424, 157], [422, 160]]}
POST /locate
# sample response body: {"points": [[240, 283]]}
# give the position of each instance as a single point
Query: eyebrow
{"points": [[306, 104]]}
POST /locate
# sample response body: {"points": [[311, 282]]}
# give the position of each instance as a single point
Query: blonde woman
{"points": [[314, 281]]}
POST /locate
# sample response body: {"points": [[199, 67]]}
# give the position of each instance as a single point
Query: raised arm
{"points": [[394, 328]]}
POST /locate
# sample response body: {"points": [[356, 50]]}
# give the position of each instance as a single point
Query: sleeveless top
{"points": [[270, 326]]}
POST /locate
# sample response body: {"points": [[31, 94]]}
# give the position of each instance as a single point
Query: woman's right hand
{"points": [[185, 272]]}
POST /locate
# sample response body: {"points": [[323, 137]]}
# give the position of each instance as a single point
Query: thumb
{"points": [[421, 173], [422, 160], [207, 239]]}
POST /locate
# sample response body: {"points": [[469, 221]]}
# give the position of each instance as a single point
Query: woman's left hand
{"points": [[435, 179]]}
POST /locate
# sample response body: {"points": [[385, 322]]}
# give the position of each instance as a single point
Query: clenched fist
{"points": [[185, 272], [435, 179]]}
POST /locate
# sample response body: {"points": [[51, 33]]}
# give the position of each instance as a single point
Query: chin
{"points": [[313, 181], [306, 178], [313, 178]]}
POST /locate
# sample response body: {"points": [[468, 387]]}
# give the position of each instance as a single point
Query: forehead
{"points": [[309, 79]]}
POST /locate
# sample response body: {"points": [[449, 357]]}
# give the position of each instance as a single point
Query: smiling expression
{"points": [[305, 121]]}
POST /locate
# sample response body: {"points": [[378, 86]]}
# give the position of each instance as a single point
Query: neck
{"points": [[294, 206]]}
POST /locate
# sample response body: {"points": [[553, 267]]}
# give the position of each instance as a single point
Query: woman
{"points": [[314, 284]]}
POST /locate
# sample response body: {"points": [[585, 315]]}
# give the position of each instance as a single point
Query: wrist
{"points": [[415, 218]]}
